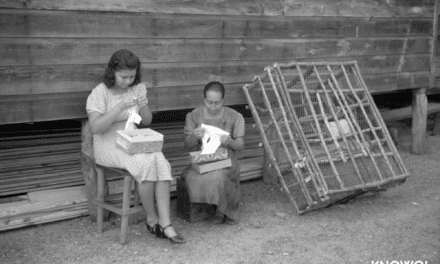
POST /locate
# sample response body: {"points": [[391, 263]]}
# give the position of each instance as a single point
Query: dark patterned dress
{"points": [[220, 187]]}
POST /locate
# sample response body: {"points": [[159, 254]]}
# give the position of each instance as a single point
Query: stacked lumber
{"points": [[41, 179], [43, 207], [40, 162]]}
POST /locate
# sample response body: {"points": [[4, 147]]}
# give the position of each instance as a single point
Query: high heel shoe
{"points": [[152, 229], [160, 232]]}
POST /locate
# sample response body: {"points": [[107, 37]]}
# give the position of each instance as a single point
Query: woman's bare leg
{"points": [[163, 206], [146, 193]]}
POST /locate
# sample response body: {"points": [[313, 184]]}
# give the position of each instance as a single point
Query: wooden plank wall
{"points": [[54, 52], [435, 69]]}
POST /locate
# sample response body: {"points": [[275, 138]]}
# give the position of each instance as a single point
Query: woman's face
{"points": [[124, 78], [213, 102]]}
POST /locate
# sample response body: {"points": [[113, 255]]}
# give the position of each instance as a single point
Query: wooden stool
{"points": [[125, 211], [96, 178], [188, 211]]}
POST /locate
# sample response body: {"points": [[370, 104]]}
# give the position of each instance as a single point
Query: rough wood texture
{"points": [[46, 79], [435, 44], [91, 51], [269, 173], [46, 24], [88, 167], [233, 7], [406, 112], [358, 8], [43, 107], [54, 53], [44, 206], [436, 126], [419, 119]]}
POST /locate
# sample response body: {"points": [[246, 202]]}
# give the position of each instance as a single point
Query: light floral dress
{"points": [[143, 166]]}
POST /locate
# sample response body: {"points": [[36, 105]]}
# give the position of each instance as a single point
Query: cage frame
{"points": [[324, 196]]}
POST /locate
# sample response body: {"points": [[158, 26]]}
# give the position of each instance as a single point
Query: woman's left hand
{"points": [[142, 101], [225, 140]]}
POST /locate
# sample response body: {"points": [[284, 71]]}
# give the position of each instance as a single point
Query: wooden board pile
{"points": [[323, 132], [39, 162], [41, 179]]}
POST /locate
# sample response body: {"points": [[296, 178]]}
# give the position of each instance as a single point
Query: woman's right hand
{"points": [[126, 103], [199, 132]]}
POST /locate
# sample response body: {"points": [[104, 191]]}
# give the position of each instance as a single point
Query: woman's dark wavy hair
{"points": [[215, 87], [122, 60]]}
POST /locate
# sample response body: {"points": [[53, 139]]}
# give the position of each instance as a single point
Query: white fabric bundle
{"points": [[211, 139], [133, 118]]}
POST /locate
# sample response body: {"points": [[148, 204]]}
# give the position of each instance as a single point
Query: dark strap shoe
{"points": [[160, 232]]}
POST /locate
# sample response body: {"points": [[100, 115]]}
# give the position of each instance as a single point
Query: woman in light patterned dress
{"points": [[108, 108]]}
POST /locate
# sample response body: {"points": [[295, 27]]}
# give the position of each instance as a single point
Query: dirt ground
{"points": [[401, 224]]}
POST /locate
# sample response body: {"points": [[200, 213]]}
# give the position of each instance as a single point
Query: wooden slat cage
{"points": [[323, 132]]}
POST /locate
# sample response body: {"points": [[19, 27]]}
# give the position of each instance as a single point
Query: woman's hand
{"points": [[142, 102], [199, 132], [225, 140], [126, 103]]}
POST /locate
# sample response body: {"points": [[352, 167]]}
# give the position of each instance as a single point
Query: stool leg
{"points": [[125, 207], [136, 200], [183, 202], [100, 197], [436, 128]]}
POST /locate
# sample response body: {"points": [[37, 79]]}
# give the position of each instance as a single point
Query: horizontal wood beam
{"points": [[25, 80], [240, 7], [68, 24], [358, 8], [45, 107], [232, 7], [406, 112], [40, 51]]}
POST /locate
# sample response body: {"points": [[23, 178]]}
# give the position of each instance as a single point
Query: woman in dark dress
{"points": [[220, 187]]}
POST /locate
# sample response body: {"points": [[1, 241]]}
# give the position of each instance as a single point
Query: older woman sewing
{"points": [[219, 187]]}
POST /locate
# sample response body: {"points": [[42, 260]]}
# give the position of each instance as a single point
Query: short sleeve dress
{"points": [[220, 187], [143, 166]]}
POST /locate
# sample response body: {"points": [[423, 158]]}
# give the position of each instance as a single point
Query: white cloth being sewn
{"points": [[211, 138], [133, 118]]}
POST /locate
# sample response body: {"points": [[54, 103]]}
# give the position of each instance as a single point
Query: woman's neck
{"points": [[216, 116], [117, 90]]}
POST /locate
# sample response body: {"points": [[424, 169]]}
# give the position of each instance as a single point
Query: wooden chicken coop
{"points": [[323, 132]]}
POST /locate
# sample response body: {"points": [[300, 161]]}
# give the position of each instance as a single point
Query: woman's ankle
{"points": [[152, 222], [169, 231]]}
